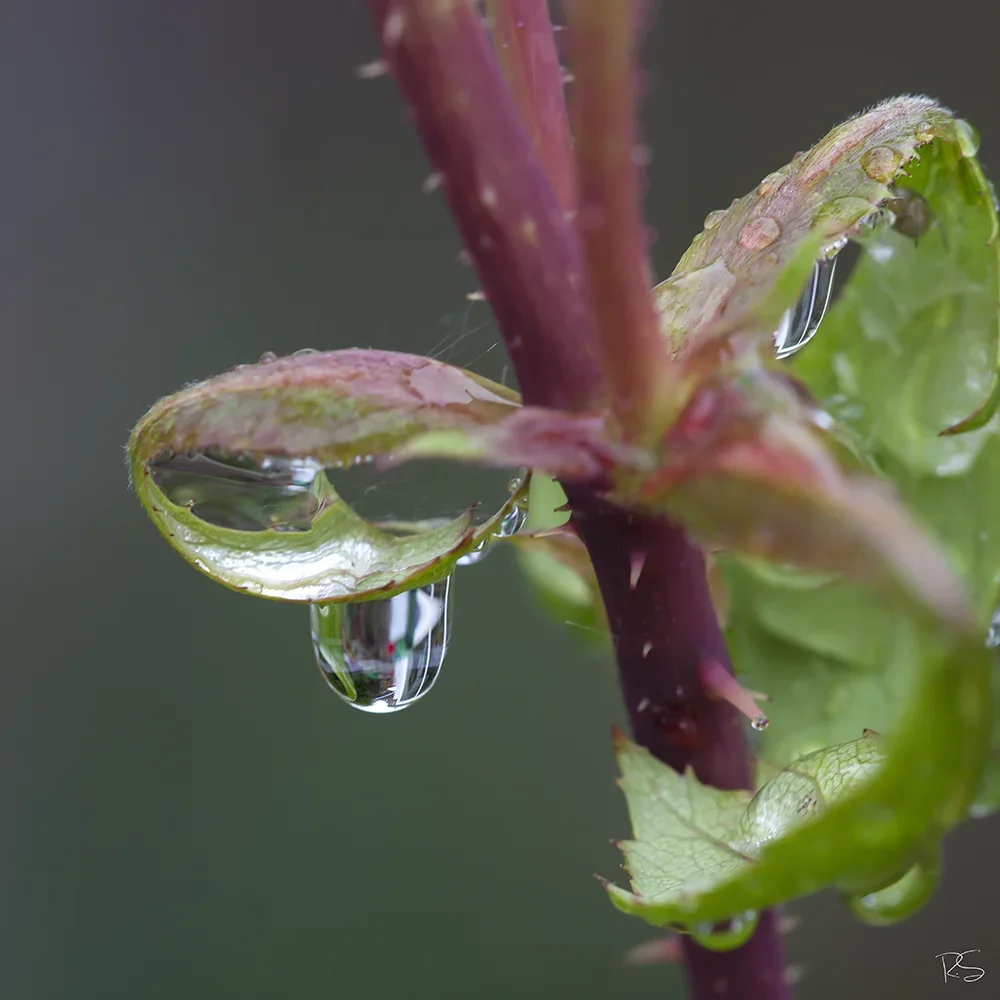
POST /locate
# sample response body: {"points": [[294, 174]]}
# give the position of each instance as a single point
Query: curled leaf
{"points": [[236, 472]]}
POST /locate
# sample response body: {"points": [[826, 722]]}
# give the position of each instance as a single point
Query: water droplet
{"points": [[993, 635], [901, 899], [881, 163], [770, 183], [381, 656], [276, 494], [799, 324], [760, 233], [510, 524], [911, 215], [968, 137], [760, 722], [714, 218], [840, 214], [726, 936], [267, 357], [424, 491]]}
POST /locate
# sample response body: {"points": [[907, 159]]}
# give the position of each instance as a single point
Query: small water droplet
{"points": [[799, 324], [968, 137], [760, 233], [714, 218], [881, 163], [911, 214], [277, 494], [760, 722], [305, 350], [728, 935], [840, 214], [510, 524], [381, 656], [993, 635], [770, 183], [267, 357], [899, 900]]}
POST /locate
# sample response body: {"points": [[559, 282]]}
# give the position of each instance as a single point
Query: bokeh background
{"points": [[188, 812]]}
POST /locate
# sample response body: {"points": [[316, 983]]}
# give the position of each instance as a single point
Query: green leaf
{"points": [[752, 464], [262, 516], [861, 839], [907, 351]]}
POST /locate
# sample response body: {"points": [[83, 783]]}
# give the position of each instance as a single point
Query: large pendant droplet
{"points": [[381, 656], [799, 324]]}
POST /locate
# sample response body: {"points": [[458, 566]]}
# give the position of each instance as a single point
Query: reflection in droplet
{"points": [[277, 494], [881, 163], [381, 656], [993, 635], [902, 898], [759, 233], [727, 936], [799, 324], [420, 491], [511, 524]]}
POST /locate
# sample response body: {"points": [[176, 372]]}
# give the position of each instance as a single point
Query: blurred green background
{"points": [[189, 811]]}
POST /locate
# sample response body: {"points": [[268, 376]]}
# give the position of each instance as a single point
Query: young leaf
{"points": [[249, 449], [868, 838]]}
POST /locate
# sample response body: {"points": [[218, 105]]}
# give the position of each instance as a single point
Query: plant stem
{"points": [[525, 45], [663, 627], [528, 258], [609, 218], [652, 578]]}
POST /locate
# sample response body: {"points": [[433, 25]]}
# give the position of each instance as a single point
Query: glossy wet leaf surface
{"points": [[236, 472], [907, 350]]}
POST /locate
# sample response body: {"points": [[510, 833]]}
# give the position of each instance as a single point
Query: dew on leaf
{"points": [[799, 324], [968, 137], [509, 526], [881, 163], [760, 233], [383, 655], [714, 218], [275, 494], [726, 936], [902, 898]]}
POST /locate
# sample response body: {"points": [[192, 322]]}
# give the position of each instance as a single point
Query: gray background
{"points": [[187, 810]]}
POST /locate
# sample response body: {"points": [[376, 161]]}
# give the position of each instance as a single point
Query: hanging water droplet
{"points": [[726, 936], [760, 722], [511, 524], [381, 656], [902, 898], [993, 635], [911, 215], [278, 494], [881, 163], [799, 324]]}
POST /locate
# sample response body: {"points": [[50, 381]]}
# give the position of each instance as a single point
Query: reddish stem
{"points": [[526, 47], [602, 40], [528, 258], [652, 578]]}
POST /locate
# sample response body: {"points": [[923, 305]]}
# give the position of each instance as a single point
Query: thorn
{"points": [[636, 562], [659, 951], [432, 182], [647, 649], [373, 70], [720, 683], [479, 296], [789, 923], [870, 732]]}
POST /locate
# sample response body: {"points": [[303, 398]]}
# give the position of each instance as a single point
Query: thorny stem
{"points": [[527, 257], [526, 47], [602, 40], [660, 612]]}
